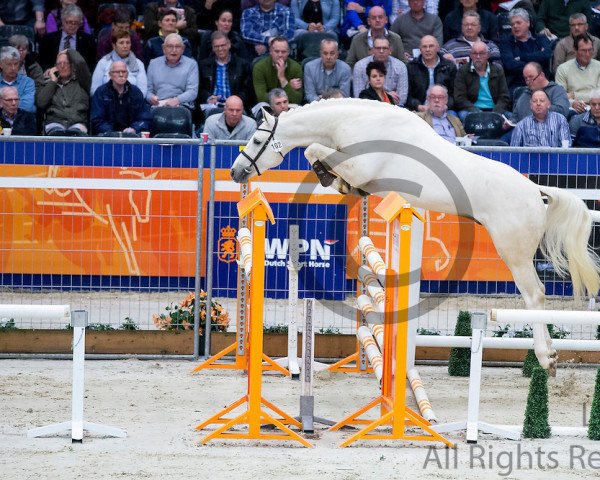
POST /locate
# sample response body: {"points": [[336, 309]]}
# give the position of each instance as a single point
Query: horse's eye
{"points": [[257, 141]]}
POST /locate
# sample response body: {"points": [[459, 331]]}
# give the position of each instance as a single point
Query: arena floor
{"points": [[159, 404]]}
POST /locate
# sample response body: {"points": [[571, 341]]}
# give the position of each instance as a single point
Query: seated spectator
{"points": [[64, 98], [68, 37], [327, 72], [480, 85], [232, 124], [426, 70], [121, 52], [23, 12], [172, 78], [265, 22], [585, 127], [223, 74], [375, 90], [521, 47], [415, 24], [10, 62], [535, 79], [119, 106], [316, 16], [396, 79], [445, 125], [553, 16], [224, 24], [542, 128], [121, 22], [28, 65], [452, 22], [277, 101], [54, 22], [185, 19], [18, 120], [580, 75], [362, 43], [459, 49], [209, 11], [168, 25], [278, 71], [357, 14], [564, 49]]}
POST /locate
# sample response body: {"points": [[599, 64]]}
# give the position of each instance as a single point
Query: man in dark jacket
{"points": [[419, 69], [453, 22], [223, 74], [69, 37], [11, 116], [480, 85], [119, 106], [522, 47]]}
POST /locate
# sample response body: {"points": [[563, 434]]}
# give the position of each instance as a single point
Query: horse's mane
{"points": [[342, 102]]}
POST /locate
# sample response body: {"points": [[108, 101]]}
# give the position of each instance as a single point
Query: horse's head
{"points": [[261, 153]]}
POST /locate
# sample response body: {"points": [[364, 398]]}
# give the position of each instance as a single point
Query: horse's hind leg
{"points": [[519, 259]]}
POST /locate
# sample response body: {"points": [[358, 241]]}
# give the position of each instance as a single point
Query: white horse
{"points": [[380, 148]]}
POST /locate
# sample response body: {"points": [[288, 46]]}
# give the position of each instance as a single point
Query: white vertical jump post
{"points": [[478, 342], [293, 269], [79, 322]]}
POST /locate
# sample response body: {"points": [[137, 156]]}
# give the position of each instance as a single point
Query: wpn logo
{"points": [[317, 251]]}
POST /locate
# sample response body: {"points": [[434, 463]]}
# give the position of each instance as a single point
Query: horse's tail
{"points": [[565, 242]]}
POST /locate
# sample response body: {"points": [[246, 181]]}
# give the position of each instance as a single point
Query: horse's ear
{"points": [[268, 115]]}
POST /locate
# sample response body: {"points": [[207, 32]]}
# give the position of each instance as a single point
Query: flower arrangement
{"points": [[181, 317]]}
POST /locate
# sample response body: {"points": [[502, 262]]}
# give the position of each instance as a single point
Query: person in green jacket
{"points": [[278, 71]]}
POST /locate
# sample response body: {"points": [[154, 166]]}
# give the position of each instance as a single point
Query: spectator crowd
{"points": [[528, 69]]}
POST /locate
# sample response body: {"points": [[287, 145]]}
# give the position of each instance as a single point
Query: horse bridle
{"points": [[263, 148]]}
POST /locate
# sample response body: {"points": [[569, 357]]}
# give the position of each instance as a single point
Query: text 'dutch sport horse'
{"points": [[379, 148]]}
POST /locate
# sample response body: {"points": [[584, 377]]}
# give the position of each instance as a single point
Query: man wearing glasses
{"points": [[564, 49], [536, 80], [172, 78], [13, 118], [480, 85], [68, 38], [119, 106]]}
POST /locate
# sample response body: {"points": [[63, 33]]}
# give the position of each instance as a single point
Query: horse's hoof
{"points": [[552, 369], [326, 178]]}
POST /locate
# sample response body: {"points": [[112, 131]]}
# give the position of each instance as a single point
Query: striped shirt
{"points": [[222, 89], [552, 132]]}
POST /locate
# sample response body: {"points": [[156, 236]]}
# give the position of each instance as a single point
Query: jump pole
{"points": [[240, 347], [399, 216], [79, 322], [255, 416]]}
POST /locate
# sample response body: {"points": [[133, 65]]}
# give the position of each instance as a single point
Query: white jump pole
{"points": [[79, 323], [562, 317], [293, 269], [35, 311], [502, 343]]}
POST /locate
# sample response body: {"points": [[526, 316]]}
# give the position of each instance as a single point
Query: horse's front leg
{"points": [[315, 153]]}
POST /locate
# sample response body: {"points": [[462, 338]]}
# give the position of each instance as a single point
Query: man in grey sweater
{"points": [[232, 124], [172, 78]]}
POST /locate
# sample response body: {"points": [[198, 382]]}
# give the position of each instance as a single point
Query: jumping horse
{"points": [[376, 148]]}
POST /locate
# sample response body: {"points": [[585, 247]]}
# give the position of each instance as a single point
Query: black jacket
{"points": [[239, 74], [237, 46], [453, 24], [418, 81], [370, 94], [50, 45], [24, 124]]}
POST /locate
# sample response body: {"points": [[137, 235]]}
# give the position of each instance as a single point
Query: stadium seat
{"points": [[120, 135], [171, 122], [485, 125]]}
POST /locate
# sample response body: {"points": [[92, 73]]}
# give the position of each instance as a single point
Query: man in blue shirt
{"points": [[266, 21], [542, 128], [326, 72], [10, 61]]}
